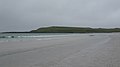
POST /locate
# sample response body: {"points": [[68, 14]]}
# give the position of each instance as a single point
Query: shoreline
{"points": [[71, 51]]}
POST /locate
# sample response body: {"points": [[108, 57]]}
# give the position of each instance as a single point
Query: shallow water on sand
{"points": [[5, 37]]}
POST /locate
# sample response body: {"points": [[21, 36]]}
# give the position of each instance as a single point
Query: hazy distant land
{"points": [[61, 29]]}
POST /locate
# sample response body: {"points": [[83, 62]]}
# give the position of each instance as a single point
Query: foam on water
{"points": [[5, 37]]}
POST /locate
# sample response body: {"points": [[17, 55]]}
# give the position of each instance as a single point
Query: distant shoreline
{"points": [[60, 29]]}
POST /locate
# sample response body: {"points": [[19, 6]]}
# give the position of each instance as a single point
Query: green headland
{"points": [[61, 29]]}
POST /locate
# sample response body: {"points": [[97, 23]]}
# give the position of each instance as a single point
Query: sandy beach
{"points": [[80, 50]]}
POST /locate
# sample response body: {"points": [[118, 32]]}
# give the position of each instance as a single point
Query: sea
{"points": [[12, 37], [8, 37]]}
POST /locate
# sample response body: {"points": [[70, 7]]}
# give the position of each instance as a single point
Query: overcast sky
{"points": [[25, 15]]}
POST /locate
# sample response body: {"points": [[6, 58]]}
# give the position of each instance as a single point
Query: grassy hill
{"points": [[58, 29]]}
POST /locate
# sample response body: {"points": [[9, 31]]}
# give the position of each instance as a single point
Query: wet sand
{"points": [[98, 50]]}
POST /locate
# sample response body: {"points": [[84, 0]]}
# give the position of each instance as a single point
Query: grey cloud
{"points": [[20, 15]]}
